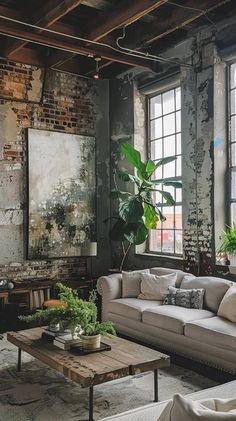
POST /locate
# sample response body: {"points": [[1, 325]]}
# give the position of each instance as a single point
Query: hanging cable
{"points": [[195, 9], [147, 55], [129, 52]]}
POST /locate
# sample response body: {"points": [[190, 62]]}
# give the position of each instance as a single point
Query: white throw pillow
{"points": [[184, 409], [154, 287], [131, 283], [227, 307]]}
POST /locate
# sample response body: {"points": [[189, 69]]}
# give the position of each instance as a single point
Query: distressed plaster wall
{"points": [[197, 84], [67, 104]]}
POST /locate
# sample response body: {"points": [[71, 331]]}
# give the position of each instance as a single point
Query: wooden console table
{"points": [[124, 359]]}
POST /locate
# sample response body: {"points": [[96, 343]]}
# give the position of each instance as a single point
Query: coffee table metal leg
{"points": [[91, 403], [155, 385], [19, 360]]}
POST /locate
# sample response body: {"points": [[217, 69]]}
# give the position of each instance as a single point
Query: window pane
{"points": [[178, 144], [178, 242], [169, 170], [168, 212], [168, 241], [156, 128], [168, 99], [178, 98], [169, 146], [169, 124], [156, 149], [233, 128], [233, 101], [155, 107], [158, 173], [155, 240], [178, 195], [233, 75], [179, 166], [233, 184], [178, 121], [233, 154], [233, 213], [156, 197], [178, 217]]}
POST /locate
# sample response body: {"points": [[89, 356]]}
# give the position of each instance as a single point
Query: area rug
{"points": [[39, 393]]}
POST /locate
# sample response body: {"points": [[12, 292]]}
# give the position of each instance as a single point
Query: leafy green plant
{"points": [[137, 213], [75, 312], [229, 240]]}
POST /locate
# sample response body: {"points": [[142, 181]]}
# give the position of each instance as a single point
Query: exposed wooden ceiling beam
{"points": [[124, 15], [29, 56], [10, 29], [179, 18], [46, 16]]}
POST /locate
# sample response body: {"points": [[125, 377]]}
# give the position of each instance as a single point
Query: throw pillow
{"points": [[154, 287], [182, 408], [131, 283], [190, 298], [227, 307]]}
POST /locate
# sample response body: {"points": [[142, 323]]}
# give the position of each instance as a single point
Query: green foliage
{"points": [[229, 240], [76, 312], [137, 213], [104, 328]]}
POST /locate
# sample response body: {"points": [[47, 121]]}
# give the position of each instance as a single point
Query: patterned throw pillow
{"points": [[190, 298]]}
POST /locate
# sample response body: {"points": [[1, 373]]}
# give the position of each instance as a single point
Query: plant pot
{"points": [[91, 342], [232, 266]]}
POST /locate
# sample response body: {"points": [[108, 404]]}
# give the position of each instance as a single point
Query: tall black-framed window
{"points": [[164, 139], [232, 141]]}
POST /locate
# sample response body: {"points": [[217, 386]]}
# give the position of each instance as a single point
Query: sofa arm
{"points": [[109, 287]]}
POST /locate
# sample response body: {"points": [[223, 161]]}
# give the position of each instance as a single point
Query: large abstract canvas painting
{"points": [[61, 194]]}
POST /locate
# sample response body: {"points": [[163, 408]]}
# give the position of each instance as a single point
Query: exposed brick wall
{"points": [[64, 106]]}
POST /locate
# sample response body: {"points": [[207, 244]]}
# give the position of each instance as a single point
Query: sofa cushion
{"points": [[215, 289], [189, 298], [131, 307], [165, 271], [182, 408], [227, 307], [173, 318], [154, 287], [214, 331], [131, 283]]}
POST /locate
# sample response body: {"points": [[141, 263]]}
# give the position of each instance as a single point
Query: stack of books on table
{"points": [[65, 342]]}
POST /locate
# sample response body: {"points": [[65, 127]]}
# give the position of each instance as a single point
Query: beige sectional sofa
{"points": [[197, 334], [153, 411]]}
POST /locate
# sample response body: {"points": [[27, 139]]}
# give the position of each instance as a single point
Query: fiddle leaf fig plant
{"points": [[137, 213]]}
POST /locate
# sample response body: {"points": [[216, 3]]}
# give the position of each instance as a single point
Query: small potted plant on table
{"points": [[74, 314]]}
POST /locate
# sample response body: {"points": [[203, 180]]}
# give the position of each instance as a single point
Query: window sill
{"points": [[160, 256]]}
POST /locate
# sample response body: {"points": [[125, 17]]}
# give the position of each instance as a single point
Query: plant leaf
{"points": [[125, 176], [133, 157], [136, 233], [117, 231], [117, 194], [176, 184], [161, 216], [165, 161], [131, 209], [150, 167], [150, 216], [167, 196]]}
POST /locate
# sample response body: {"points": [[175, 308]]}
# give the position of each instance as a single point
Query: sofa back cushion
{"points": [[227, 307], [131, 283], [215, 289], [154, 287], [166, 271]]}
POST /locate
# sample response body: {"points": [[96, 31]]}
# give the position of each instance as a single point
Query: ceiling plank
{"points": [[122, 16], [10, 29], [46, 16], [29, 56]]}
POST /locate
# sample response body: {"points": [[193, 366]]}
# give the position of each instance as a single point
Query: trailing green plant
{"points": [[137, 212], [75, 312], [228, 240]]}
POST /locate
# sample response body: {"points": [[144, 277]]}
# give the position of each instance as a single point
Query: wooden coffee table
{"points": [[125, 359]]}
